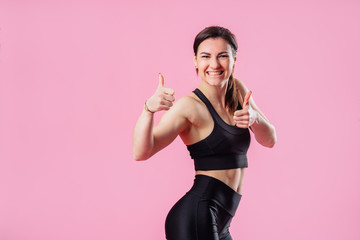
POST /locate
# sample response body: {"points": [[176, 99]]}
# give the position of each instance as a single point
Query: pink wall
{"points": [[74, 77]]}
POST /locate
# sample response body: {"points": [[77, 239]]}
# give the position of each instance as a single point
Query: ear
{"points": [[195, 62], [233, 65]]}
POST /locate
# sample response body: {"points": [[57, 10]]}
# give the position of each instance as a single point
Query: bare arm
{"points": [[148, 140], [264, 131], [143, 140]]}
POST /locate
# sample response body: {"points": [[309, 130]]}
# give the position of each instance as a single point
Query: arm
{"points": [[264, 131], [143, 140], [148, 140]]}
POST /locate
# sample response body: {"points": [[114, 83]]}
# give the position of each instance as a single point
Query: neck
{"points": [[215, 94]]}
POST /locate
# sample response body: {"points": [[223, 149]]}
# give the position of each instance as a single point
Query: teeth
{"points": [[214, 73]]}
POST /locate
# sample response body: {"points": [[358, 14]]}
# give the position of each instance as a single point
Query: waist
{"points": [[210, 188]]}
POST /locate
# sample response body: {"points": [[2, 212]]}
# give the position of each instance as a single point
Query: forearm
{"points": [[143, 140], [264, 131]]}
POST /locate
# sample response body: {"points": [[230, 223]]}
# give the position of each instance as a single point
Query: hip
{"points": [[205, 210]]}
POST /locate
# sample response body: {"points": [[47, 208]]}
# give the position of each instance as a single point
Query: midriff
{"points": [[231, 177]]}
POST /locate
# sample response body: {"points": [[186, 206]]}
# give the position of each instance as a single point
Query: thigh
{"points": [[223, 220], [225, 235], [213, 221], [207, 228]]}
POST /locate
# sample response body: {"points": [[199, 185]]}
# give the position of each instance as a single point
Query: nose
{"points": [[214, 63]]}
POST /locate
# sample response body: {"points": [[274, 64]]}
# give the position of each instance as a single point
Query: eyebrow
{"points": [[218, 54]]}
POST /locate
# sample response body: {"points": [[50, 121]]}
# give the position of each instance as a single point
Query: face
{"points": [[215, 61]]}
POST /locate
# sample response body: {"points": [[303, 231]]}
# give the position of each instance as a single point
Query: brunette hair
{"points": [[231, 100]]}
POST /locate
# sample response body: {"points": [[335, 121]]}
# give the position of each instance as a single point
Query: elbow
{"points": [[272, 142], [139, 156]]}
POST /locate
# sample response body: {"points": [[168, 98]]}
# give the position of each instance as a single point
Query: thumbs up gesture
{"points": [[245, 117], [162, 99]]}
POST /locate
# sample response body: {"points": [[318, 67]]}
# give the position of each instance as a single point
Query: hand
{"points": [[245, 117], [162, 99]]}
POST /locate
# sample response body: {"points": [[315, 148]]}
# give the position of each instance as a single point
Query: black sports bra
{"points": [[224, 148]]}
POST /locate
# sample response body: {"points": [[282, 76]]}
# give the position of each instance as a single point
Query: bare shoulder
{"points": [[187, 105], [243, 90], [177, 118], [240, 86], [186, 100], [191, 108]]}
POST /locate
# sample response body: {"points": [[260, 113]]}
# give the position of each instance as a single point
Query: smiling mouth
{"points": [[215, 73]]}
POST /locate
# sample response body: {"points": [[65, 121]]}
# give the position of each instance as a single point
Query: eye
{"points": [[204, 56], [224, 56]]}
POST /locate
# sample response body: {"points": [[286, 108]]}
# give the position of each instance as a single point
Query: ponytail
{"points": [[231, 98]]}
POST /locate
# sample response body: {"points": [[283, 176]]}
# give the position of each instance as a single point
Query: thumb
{"points": [[247, 97], [161, 80]]}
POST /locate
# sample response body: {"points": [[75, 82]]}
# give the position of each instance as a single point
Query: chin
{"points": [[216, 82]]}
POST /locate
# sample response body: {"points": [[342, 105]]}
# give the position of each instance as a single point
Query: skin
{"points": [[189, 117]]}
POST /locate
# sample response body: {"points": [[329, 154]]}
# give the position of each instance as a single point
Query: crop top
{"points": [[226, 146]]}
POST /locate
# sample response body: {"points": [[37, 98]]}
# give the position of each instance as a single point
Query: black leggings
{"points": [[204, 213]]}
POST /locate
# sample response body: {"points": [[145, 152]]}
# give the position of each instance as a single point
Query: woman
{"points": [[213, 122]]}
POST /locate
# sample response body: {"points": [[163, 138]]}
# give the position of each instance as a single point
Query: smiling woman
{"points": [[213, 122], [215, 62], [215, 49]]}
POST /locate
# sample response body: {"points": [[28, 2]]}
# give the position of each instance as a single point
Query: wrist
{"points": [[147, 108]]}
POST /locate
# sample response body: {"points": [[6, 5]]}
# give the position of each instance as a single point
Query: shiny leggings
{"points": [[204, 212]]}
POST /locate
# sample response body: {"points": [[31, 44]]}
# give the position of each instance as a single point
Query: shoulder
{"points": [[240, 86], [241, 89], [188, 107], [182, 105]]}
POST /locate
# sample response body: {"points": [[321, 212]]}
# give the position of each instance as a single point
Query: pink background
{"points": [[74, 77]]}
